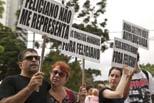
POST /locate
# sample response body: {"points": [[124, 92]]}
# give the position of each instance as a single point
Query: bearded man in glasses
{"points": [[23, 88]]}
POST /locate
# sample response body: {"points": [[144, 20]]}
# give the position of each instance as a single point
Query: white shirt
{"points": [[140, 88]]}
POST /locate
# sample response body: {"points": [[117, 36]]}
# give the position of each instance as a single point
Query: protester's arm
{"points": [[118, 93], [22, 95], [126, 90], [82, 94]]}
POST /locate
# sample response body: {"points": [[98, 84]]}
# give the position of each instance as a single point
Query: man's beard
{"points": [[33, 69]]}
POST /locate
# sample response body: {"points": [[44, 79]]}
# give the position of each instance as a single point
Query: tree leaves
{"points": [[1, 8], [12, 46]]}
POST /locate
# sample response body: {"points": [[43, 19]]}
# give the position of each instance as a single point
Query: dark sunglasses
{"points": [[30, 58], [61, 74]]}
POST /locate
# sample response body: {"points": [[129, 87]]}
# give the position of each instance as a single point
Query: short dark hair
{"points": [[22, 54], [116, 68]]}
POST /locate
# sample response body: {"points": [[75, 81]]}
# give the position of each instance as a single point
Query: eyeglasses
{"points": [[61, 74], [30, 58]]}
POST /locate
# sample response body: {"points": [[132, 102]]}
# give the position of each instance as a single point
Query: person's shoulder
{"points": [[46, 84], [9, 80], [139, 75], [147, 74], [103, 89], [71, 94], [11, 77], [70, 90]]}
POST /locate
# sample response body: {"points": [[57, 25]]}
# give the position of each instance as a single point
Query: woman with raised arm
{"points": [[118, 82]]}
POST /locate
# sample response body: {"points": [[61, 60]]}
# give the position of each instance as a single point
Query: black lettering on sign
{"points": [[47, 25], [69, 46], [35, 5], [25, 17], [91, 52], [65, 46], [127, 36], [118, 44], [79, 36], [54, 10], [126, 59], [27, 3], [145, 34], [143, 42], [125, 46], [40, 6], [64, 29], [139, 32], [98, 54], [65, 15], [38, 24], [135, 39], [66, 32], [50, 9], [33, 24], [88, 51], [32, 5], [46, 8], [129, 60], [37, 21], [93, 40], [127, 27], [79, 49], [72, 46], [117, 57], [43, 7], [72, 34]]}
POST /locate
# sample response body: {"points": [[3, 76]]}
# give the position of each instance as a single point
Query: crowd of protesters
{"points": [[30, 86]]}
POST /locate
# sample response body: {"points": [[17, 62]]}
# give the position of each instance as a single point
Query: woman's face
{"points": [[58, 77], [114, 78]]}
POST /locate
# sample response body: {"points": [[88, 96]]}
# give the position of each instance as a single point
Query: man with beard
{"points": [[23, 88]]}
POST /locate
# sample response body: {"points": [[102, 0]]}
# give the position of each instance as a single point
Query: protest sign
{"points": [[135, 34], [46, 17], [124, 52], [82, 45]]}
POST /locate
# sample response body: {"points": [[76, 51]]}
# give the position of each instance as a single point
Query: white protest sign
{"points": [[46, 17], [136, 34], [124, 52], [82, 45]]}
